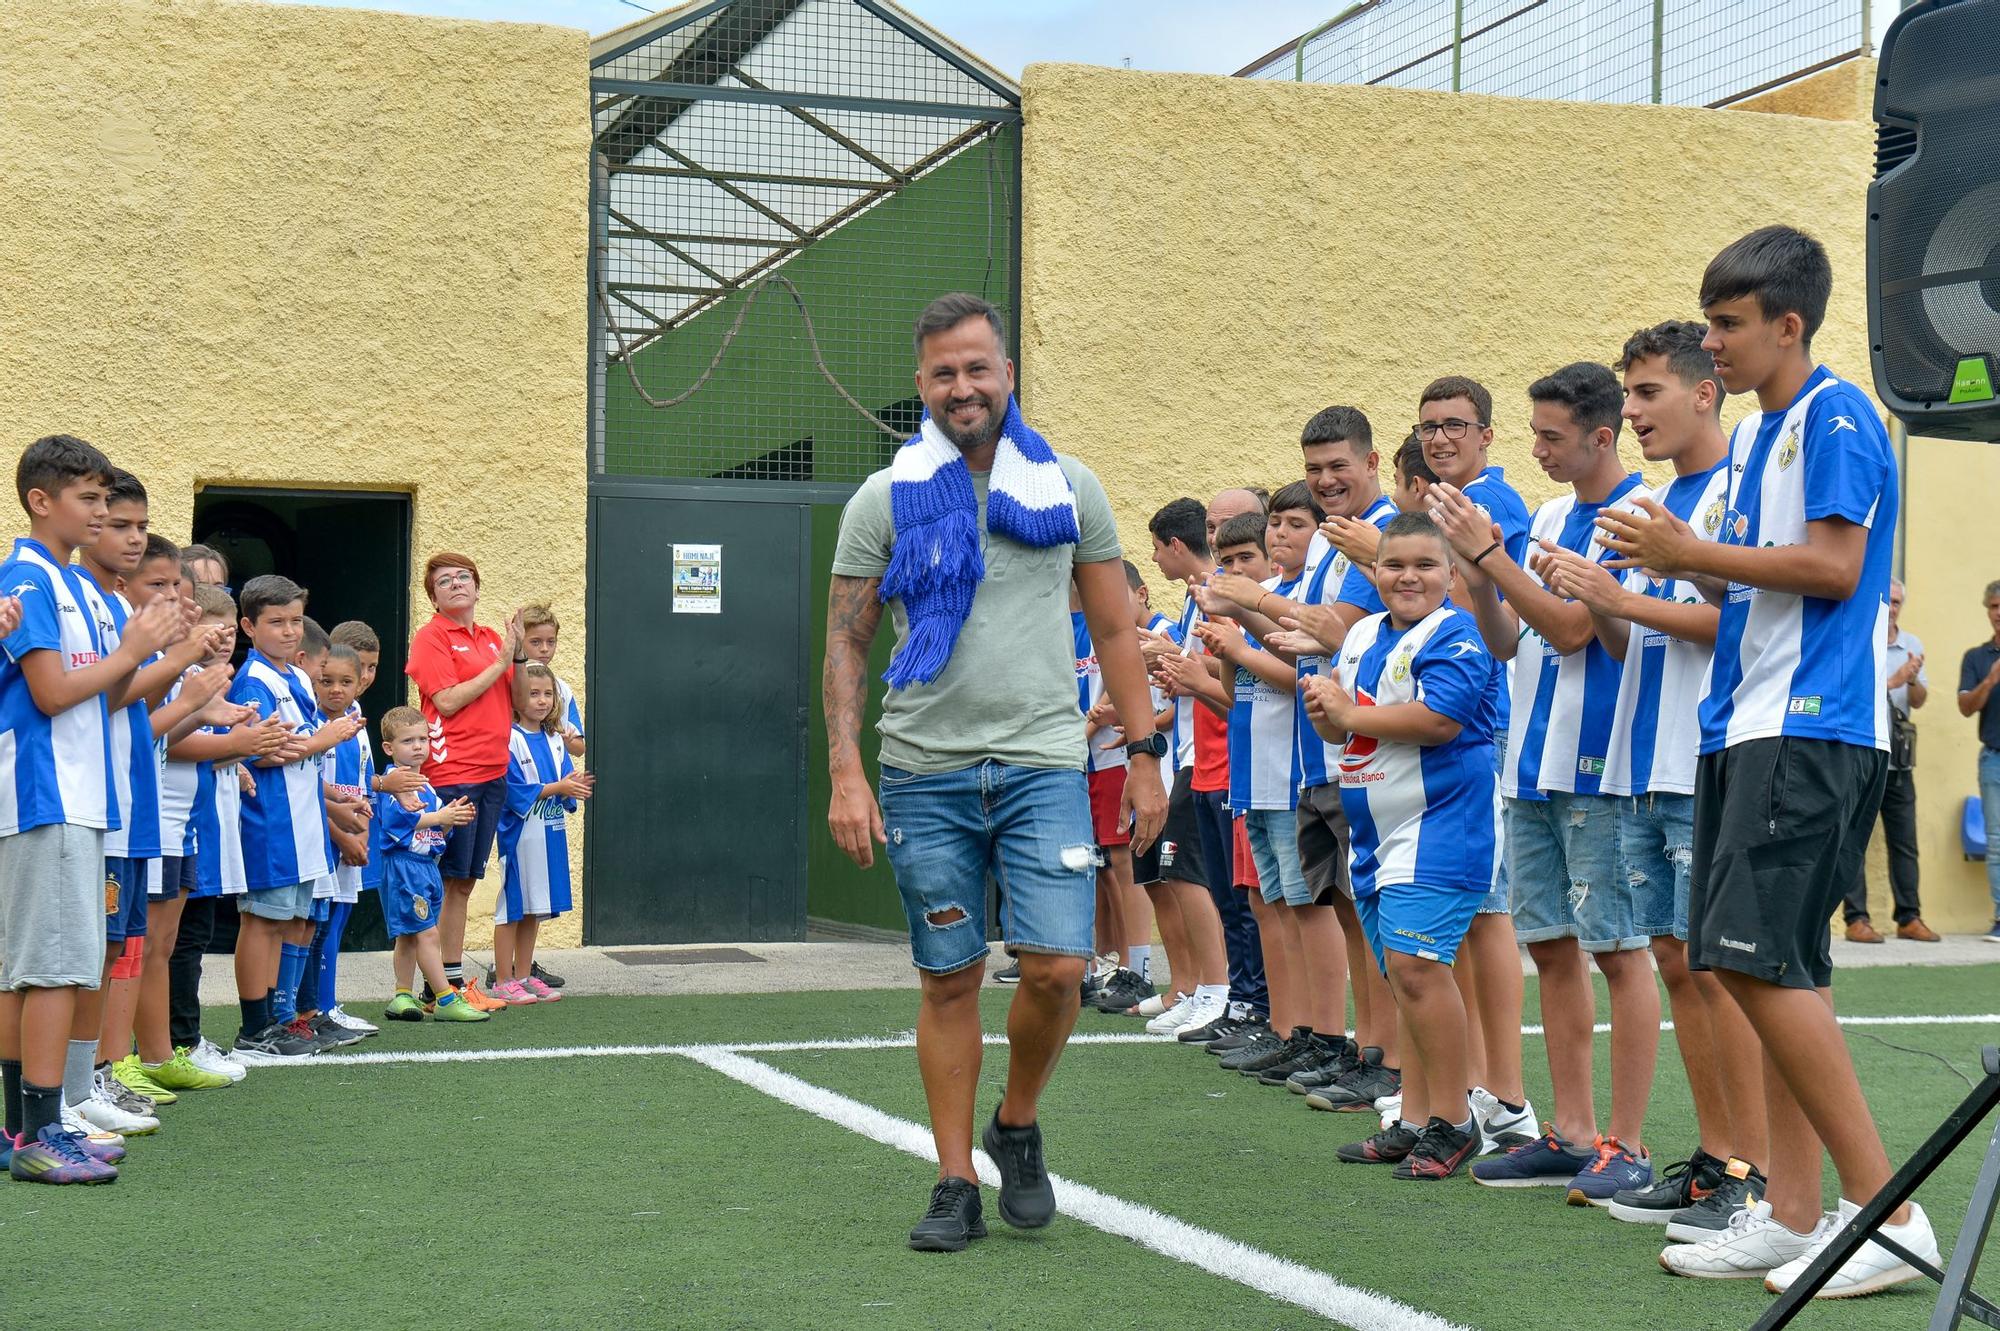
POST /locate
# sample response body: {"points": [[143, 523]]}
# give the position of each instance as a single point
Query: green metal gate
{"points": [[778, 187]]}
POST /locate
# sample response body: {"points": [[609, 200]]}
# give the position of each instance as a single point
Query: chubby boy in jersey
{"points": [[413, 835], [1411, 705]]}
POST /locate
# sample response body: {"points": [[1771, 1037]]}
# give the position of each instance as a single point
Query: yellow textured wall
{"points": [[1207, 261], [1845, 92], [284, 246]]}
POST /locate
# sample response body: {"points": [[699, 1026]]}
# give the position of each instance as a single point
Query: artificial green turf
{"points": [[516, 1193]]}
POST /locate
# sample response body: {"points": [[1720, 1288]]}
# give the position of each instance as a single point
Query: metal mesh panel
{"points": [[781, 186], [1683, 52]]}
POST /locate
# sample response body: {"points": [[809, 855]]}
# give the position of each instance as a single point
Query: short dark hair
{"points": [[1296, 495], [159, 547], [125, 488], [1243, 529], [1457, 385], [1678, 342], [353, 633], [314, 641], [1413, 524], [1783, 267], [1339, 425], [1410, 464], [954, 308], [55, 462], [262, 592], [1589, 390], [340, 651], [1132, 578], [197, 554], [1183, 520]]}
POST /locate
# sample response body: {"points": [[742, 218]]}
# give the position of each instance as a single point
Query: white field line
{"points": [[906, 1040], [1287, 1281]]}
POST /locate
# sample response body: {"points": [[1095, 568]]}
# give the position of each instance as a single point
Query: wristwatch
{"points": [[1155, 744]]}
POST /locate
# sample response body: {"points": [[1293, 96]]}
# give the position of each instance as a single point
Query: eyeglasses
{"points": [[1453, 429], [458, 579]]}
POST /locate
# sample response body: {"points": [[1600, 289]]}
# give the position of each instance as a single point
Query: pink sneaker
{"points": [[55, 1156], [513, 994], [542, 992]]}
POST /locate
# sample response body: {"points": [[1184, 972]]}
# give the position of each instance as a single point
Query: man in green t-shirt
{"points": [[982, 738]]}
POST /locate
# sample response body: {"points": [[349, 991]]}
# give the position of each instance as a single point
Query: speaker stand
{"points": [[1956, 1299]]}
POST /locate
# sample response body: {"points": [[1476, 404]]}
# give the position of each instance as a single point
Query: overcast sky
{"points": [[1209, 36]]}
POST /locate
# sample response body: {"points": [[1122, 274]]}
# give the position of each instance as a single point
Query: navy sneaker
{"points": [[1616, 1169], [1547, 1161]]}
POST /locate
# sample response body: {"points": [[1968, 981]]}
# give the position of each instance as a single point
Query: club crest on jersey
{"points": [[1340, 567], [1806, 706], [1788, 450], [420, 906], [1711, 518], [1400, 671]]}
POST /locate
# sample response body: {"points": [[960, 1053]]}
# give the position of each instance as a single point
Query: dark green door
{"points": [[698, 721]]}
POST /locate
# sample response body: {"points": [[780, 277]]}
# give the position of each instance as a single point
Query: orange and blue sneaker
{"points": [[57, 1156], [1547, 1161], [1616, 1169]]}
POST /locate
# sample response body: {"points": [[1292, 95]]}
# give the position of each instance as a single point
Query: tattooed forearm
{"points": [[853, 613]]}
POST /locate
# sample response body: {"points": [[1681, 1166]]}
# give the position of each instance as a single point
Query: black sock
{"points": [[10, 1082], [40, 1106], [454, 973], [264, 1017], [249, 1010]]}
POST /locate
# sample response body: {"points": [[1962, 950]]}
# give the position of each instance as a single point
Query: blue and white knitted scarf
{"points": [[935, 565]]}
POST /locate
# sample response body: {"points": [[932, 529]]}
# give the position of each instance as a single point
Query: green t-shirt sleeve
{"points": [[1099, 530], [866, 531]]}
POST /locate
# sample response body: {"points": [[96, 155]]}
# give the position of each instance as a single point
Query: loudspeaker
{"points": [[1934, 220]]}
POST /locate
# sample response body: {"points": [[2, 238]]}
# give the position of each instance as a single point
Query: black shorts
{"points": [[1780, 829], [469, 845], [1324, 838], [176, 877], [1179, 846]]}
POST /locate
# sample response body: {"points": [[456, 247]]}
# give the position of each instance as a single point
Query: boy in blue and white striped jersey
{"points": [[543, 788], [538, 643]]}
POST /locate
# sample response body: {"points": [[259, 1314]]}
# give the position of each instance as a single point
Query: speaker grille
{"points": [[1893, 145]]}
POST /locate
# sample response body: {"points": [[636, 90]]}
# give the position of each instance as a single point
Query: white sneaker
{"points": [[348, 1022], [1195, 1010], [103, 1116], [1167, 1017], [1873, 1267], [1157, 1004], [1500, 1128], [1390, 1108], [83, 1127], [1752, 1247], [206, 1056]]}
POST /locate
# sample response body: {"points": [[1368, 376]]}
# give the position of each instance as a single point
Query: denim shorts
{"points": [[1028, 828], [290, 902], [1498, 902], [1274, 845], [1656, 843], [1562, 853]]}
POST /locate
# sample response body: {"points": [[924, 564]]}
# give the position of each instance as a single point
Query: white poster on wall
{"points": [[697, 579]]}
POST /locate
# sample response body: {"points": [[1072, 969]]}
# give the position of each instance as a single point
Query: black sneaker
{"points": [[1009, 974], [1247, 1033], [1125, 988], [547, 977], [491, 977], [953, 1219], [1337, 1058], [1679, 1185], [1027, 1198], [1266, 1044], [280, 1041], [330, 1034], [1440, 1152], [427, 995], [1357, 1090], [1387, 1147], [1742, 1185], [1309, 1052], [1214, 1030]]}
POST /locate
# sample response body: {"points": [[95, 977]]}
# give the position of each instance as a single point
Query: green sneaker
{"points": [[131, 1074], [404, 1007], [180, 1074], [459, 1010]]}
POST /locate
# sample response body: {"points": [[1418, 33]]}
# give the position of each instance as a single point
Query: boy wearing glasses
{"points": [[1794, 746]]}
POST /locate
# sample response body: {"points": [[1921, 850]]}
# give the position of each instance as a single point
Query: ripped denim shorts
{"points": [[1656, 846], [1568, 878], [1028, 828]]}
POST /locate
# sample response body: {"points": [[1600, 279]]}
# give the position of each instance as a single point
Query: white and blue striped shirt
{"points": [[1106, 749], [1263, 749], [285, 837], [1655, 735], [533, 834], [53, 769], [180, 787], [1562, 705], [1424, 814], [135, 763], [1182, 733], [1337, 581], [1803, 665]]}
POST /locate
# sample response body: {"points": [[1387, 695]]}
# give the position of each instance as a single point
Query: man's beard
{"points": [[978, 437]]}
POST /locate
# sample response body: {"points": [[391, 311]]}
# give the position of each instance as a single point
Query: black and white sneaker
{"points": [[1027, 1198], [330, 1034], [1008, 974], [953, 1219], [1305, 1050], [1336, 1058], [1679, 1185], [1262, 1051], [1741, 1186], [1357, 1090], [1126, 988], [1247, 1033], [1223, 1025], [273, 1044], [547, 977]]}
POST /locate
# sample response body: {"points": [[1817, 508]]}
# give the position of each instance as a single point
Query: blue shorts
{"points": [[1497, 902], [1027, 827], [1568, 882], [1274, 845], [170, 876], [129, 919], [412, 893], [290, 902], [1656, 843], [468, 846], [1427, 922]]}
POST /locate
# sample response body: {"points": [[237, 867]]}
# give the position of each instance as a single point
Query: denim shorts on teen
{"points": [[292, 901], [1028, 828], [1498, 901], [1427, 922], [1274, 844], [1562, 854], [128, 920], [1656, 845]]}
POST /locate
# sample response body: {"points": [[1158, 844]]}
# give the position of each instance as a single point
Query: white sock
{"points": [[1141, 960], [1212, 991]]}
